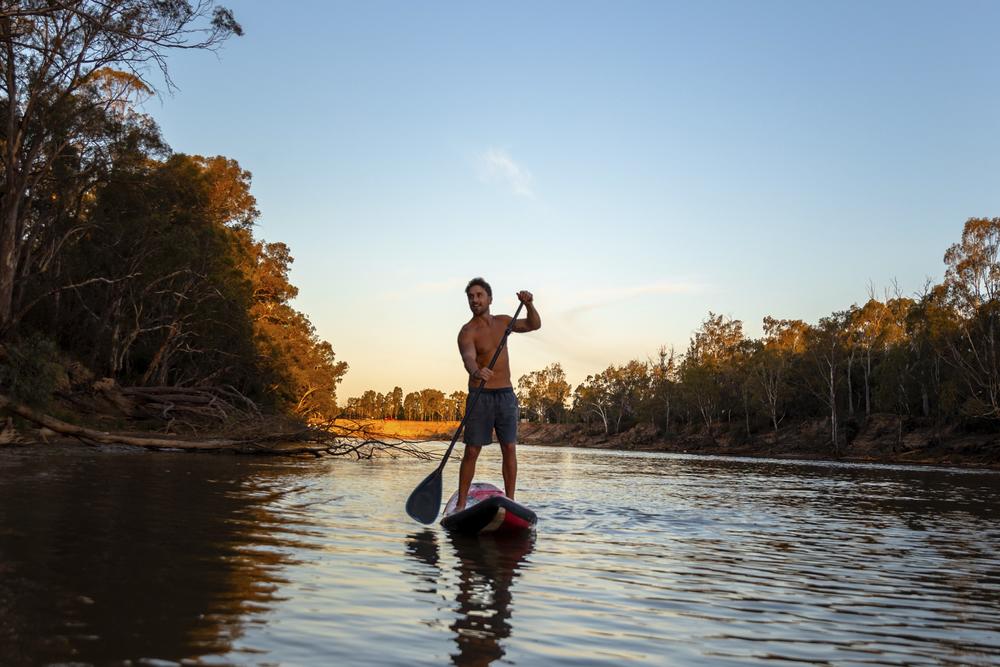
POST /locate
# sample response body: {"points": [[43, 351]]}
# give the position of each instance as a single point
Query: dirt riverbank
{"points": [[879, 438], [882, 438]]}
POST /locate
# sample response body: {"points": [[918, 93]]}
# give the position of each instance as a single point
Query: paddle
{"points": [[424, 503]]}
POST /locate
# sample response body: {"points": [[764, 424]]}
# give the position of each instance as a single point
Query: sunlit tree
{"points": [[543, 394]]}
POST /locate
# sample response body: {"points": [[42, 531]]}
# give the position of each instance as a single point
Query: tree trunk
{"points": [[8, 257], [868, 384], [159, 358], [604, 419], [850, 386], [744, 391], [11, 198], [833, 411]]}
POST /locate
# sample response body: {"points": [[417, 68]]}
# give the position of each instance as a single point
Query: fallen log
{"points": [[105, 437], [299, 439]]}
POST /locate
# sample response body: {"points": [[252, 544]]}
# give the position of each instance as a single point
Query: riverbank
{"points": [[879, 438], [214, 424]]}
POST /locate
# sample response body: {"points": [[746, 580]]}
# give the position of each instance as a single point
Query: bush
{"points": [[29, 369]]}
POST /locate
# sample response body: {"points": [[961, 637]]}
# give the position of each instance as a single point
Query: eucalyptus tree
{"points": [[868, 326], [972, 279], [664, 386], [456, 405], [593, 397], [64, 67], [896, 370], [825, 347], [709, 371], [434, 404], [396, 400], [783, 342], [544, 393], [616, 395], [932, 324], [412, 410]]}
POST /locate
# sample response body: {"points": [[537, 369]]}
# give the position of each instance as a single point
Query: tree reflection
{"points": [[118, 558], [486, 568]]}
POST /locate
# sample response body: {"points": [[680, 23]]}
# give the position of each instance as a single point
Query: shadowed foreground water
{"points": [[117, 556]]}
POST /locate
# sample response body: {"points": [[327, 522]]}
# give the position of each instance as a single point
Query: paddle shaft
{"points": [[479, 390]]}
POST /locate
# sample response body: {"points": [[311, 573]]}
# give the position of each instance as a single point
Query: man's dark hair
{"points": [[482, 283]]}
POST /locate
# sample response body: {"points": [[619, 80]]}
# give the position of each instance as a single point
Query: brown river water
{"points": [[121, 557]]}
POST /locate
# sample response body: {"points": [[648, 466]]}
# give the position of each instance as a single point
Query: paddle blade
{"points": [[424, 503]]}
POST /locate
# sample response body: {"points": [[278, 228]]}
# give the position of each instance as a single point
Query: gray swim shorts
{"points": [[496, 409]]}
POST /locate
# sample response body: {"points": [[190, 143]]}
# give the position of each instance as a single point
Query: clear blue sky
{"points": [[633, 164]]}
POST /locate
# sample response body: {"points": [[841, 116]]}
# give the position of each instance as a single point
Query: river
{"points": [[117, 556]]}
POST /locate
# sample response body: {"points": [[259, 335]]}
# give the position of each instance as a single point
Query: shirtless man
{"points": [[497, 407]]}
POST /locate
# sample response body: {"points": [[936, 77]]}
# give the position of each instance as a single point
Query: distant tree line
{"points": [[934, 357], [423, 405], [117, 253]]}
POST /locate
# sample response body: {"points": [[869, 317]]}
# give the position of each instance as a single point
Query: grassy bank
{"points": [[403, 429]]}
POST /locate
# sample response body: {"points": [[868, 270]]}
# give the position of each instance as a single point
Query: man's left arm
{"points": [[533, 321]]}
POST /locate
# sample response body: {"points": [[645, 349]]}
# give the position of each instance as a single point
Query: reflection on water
{"points": [[113, 557], [121, 557], [486, 567]]}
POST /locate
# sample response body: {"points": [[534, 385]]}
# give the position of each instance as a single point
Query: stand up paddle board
{"points": [[487, 510]]}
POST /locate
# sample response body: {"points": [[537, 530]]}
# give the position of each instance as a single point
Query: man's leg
{"points": [[465, 474], [507, 415], [509, 452], [478, 431]]}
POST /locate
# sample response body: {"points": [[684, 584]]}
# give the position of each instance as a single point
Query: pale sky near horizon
{"points": [[634, 164]]}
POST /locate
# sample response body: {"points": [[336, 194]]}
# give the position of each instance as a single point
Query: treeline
{"points": [[117, 254], [423, 405], [933, 358], [542, 395]]}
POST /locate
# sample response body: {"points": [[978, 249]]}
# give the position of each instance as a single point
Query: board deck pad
{"points": [[487, 510], [478, 492]]}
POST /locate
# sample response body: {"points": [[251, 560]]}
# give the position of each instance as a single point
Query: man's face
{"points": [[479, 300]]}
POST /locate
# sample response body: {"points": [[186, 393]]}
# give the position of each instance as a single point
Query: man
{"points": [[497, 407]]}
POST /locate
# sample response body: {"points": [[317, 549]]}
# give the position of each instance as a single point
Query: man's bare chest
{"points": [[487, 340]]}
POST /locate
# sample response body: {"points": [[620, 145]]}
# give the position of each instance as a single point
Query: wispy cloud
{"points": [[496, 166], [599, 298]]}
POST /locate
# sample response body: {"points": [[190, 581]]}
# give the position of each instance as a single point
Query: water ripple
{"points": [[639, 558]]}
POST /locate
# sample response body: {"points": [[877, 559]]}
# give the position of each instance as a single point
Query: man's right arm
{"points": [[467, 348]]}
